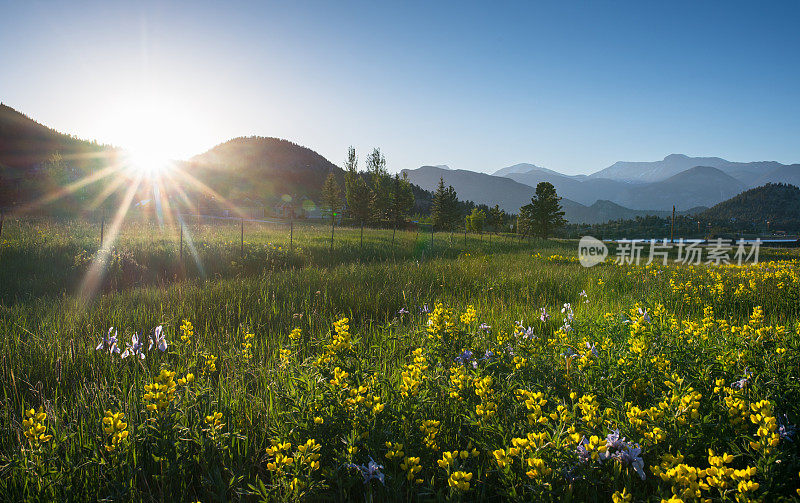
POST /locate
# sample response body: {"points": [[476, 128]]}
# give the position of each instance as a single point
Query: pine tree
{"points": [[402, 201], [350, 176], [359, 203], [331, 200], [439, 205], [525, 221], [496, 219], [380, 184], [547, 214], [453, 209]]}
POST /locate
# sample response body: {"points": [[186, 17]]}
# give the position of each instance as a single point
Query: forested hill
{"points": [[776, 203], [35, 159], [24, 143], [760, 211], [263, 169]]}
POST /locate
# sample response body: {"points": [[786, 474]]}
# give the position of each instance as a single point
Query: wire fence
{"points": [[200, 231]]}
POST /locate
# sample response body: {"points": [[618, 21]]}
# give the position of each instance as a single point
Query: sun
{"points": [[153, 132], [148, 161]]}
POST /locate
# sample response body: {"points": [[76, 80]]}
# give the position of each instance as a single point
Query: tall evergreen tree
{"points": [[454, 213], [445, 208], [439, 205], [359, 202], [350, 176], [380, 184], [331, 200], [402, 201], [496, 218], [525, 221], [547, 214]]}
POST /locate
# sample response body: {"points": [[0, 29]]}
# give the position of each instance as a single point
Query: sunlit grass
{"points": [[702, 325]]}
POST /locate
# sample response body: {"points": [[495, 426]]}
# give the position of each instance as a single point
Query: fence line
{"points": [[235, 219], [186, 220]]}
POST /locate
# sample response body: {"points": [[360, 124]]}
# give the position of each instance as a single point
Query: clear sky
{"points": [[571, 86]]}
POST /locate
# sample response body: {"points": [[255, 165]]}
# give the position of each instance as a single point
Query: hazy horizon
{"points": [[572, 88]]}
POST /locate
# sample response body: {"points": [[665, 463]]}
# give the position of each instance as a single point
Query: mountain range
{"points": [[688, 183], [260, 170], [510, 194]]}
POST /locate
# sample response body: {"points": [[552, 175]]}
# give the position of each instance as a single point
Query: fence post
{"points": [[241, 242], [181, 242], [102, 228], [291, 234], [2, 218]]}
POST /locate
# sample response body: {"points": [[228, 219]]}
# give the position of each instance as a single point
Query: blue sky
{"points": [[571, 86]]}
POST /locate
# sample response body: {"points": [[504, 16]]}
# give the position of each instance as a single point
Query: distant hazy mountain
{"points": [[789, 174], [511, 195], [476, 187], [642, 172], [581, 190], [520, 168], [657, 185], [778, 204], [698, 186]]}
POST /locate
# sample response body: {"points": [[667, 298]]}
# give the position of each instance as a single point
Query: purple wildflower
{"points": [[543, 316], [158, 338], [370, 471], [109, 342], [135, 348], [786, 430], [464, 357]]}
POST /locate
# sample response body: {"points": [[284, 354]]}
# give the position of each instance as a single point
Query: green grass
{"points": [[47, 358], [47, 258]]}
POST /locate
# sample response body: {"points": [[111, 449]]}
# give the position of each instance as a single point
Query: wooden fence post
{"points": [[102, 228], [241, 242], [291, 234], [181, 242]]}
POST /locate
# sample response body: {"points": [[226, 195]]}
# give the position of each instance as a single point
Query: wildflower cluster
{"points": [[34, 427], [161, 392], [341, 342], [413, 375], [116, 428], [187, 332]]}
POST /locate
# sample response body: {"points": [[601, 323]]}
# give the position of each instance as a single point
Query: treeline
{"points": [[650, 227], [374, 197]]}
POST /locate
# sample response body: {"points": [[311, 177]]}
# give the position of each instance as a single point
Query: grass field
{"points": [[42, 258], [478, 371]]}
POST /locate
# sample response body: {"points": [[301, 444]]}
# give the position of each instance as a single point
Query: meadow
{"points": [[474, 371]]}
